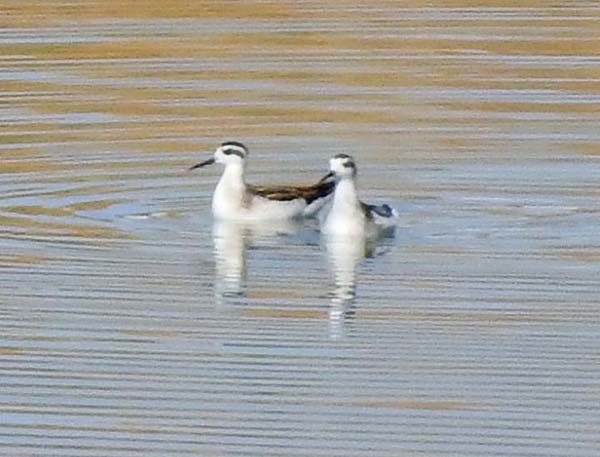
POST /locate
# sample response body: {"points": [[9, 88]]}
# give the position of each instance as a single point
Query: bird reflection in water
{"points": [[231, 241], [344, 254]]}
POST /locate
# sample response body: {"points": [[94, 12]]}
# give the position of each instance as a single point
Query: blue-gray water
{"points": [[131, 325]]}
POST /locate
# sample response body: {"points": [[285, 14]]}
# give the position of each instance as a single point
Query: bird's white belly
{"points": [[276, 209], [227, 202], [235, 206], [351, 223]]}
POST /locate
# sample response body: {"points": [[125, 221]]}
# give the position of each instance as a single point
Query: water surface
{"points": [[132, 325]]}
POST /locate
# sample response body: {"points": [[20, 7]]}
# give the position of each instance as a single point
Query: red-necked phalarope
{"points": [[233, 199], [348, 215]]}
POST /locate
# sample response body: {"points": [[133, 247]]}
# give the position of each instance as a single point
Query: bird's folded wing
{"points": [[286, 193]]}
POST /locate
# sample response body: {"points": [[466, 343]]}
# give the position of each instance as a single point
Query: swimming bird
{"points": [[348, 216], [234, 199]]}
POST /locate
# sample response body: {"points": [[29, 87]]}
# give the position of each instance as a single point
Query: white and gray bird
{"points": [[348, 216], [234, 199]]}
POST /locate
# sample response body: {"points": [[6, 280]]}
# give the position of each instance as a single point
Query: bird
{"points": [[234, 199], [348, 215]]}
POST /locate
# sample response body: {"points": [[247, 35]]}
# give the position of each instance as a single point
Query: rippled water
{"points": [[131, 325]]}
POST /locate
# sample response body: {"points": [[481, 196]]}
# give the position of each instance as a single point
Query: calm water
{"points": [[131, 325]]}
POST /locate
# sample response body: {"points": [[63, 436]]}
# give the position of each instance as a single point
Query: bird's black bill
{"points": [[202, 164], [326, 177]]}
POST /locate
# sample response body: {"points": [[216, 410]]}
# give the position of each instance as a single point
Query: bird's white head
{"points": [[341, 166], [231, 152], [228, 153]]}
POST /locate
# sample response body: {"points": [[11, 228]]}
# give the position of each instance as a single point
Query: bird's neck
{"points": [[233, 177], [230, 192], [346, 196]]}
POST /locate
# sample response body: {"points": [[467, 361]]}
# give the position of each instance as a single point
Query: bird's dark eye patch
{"points": [[349, 164], [230, 151]]}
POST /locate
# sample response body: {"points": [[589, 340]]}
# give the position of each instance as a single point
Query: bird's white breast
{"points": [[346, 216]]}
